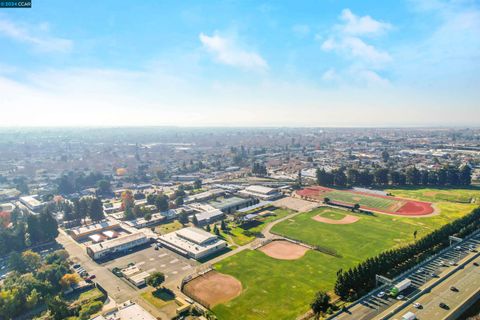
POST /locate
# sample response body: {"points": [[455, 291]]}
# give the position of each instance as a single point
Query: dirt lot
{"points": [[283, 250], [295, 204], [213, 288], [345, 220]]}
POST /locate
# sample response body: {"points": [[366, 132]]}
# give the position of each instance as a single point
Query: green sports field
{"points": [[364, 200], [278, 289]]}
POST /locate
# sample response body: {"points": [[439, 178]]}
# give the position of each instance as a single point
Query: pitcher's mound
{"points": [[345, 220], [283, 250], [213, 288]]}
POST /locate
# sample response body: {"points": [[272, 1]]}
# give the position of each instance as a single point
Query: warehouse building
{"points": [[192, 242], [117, 245]]}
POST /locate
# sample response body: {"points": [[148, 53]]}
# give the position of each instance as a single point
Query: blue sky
{"points": [[241, 63]]}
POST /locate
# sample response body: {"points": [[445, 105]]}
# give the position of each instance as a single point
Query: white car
{"points": [[381, 294], [400, 297], [458, 248], [417, 305], [420, 270], [452, 263]]}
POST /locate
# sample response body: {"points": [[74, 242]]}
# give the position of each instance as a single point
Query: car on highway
{"points": [[454, 289], [417, 305], [381, 294], [443, 306]]}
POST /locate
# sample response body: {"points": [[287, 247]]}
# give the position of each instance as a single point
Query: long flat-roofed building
{"points": [[120, 244], [192, 242], [261, 192]]}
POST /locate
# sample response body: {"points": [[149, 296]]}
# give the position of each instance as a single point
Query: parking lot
{"points": [[377, 303], [150, 260]]}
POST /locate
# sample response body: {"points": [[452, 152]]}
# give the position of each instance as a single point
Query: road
{"points": [[373, 306], [117, 289], [466, 280]]}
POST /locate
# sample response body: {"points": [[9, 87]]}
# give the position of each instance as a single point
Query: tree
{"points": [[326, 200], [352, 176], [415, 234], [161, 202], [32, 299], [465, 175], [127, 200], [31, 260], [216, 230], [179, 201], [197, 184], [207, 228], [183, 217], [58, 308], [324, 178], [15, 262], [156, 279], [148, 216], [104, 187], [223, 225], [339, 177], [49, 226], [413, 176], [321, 303], [195, 220], [381, 176], [96, 210], [356, 207], [68, 280]]}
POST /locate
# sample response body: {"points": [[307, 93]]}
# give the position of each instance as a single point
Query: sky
{"points": [[241, 63]]}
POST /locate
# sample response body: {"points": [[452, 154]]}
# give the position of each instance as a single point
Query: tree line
{"points": [[445, 176], [80, 209], [359, 280], [27, 230], [75, 182]]}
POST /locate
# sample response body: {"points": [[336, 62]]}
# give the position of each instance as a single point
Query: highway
{"points": [[372, 307], [466, 280]]}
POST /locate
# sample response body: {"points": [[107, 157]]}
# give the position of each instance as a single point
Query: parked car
{"points": [[454, 289], [475, 264], [458, 248], [400, 297], [417, 305], [420, 270], [452, 263], [443, 306], [381, 294]]}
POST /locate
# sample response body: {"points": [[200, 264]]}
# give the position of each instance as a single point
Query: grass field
{"points": [[236, 234], [168, 227], [362, 200], [276, 289], [158, 298], [439, 195]]}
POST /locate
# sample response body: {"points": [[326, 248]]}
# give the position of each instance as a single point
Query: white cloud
{"points": [[365, 25], [37, 36], [356, 48], [346, 39], [226, 51]]}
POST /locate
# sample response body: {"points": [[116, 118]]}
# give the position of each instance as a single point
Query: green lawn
{"points": [[237, 233], [438, 195], [84, 297], [361, 199], [158, 298], [168, 227], [277, 289]]}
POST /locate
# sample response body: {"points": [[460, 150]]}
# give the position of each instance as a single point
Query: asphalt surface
{"points": [[466, 281], [425, 274]]}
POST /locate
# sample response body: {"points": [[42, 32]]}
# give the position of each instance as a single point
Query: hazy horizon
{"points": [[242, 64]]}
